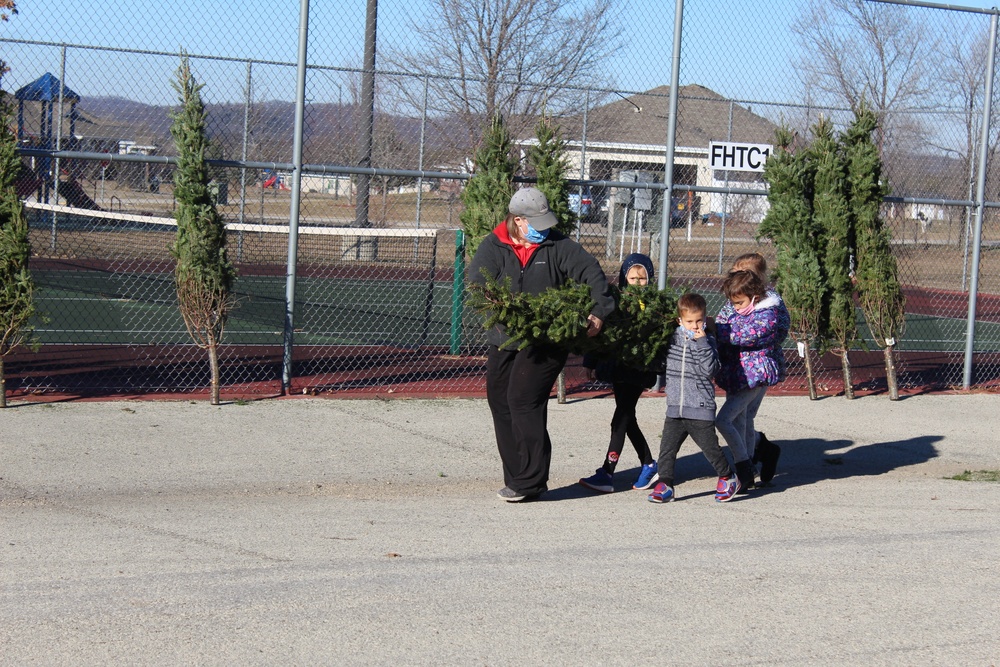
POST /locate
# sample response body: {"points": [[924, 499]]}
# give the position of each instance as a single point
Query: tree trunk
{"points": [[3, 386], [213, 360], [810, 380], [561, 387], [845, 364], [890, 373]]}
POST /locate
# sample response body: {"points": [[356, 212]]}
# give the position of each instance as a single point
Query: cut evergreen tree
{"points": [[791, 227], [487, 194], [204, 275], [637, 334], [17, 289], [836, 226], [877, 273], [548, 160]]}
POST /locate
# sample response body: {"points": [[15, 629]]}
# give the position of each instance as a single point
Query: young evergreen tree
{"points": [[487, 194], [833, 218], [877, 273], [204, 275], [17, 289], [548, 159], [791, 227]]}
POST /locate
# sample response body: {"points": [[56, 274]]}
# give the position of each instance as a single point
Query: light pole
{"points": [[367, 116]]}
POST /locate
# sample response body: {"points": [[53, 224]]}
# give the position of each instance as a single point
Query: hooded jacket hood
{"points": [[632, 260]]}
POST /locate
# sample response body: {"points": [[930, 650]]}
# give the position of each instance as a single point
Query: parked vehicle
{"points": [[592, 207], [581, 204], [679, 209]]}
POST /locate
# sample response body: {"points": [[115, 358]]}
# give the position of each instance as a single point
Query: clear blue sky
{"points": [[744, 52]]}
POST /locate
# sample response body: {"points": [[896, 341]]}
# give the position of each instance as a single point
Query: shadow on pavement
{"points": [[810, 460], [803, 461]]}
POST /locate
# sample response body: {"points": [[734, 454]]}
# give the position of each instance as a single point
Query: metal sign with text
{"points": [[737, 156]]}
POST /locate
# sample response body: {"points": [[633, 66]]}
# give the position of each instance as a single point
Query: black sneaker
{"points": [[512, 496], [769, 454]]}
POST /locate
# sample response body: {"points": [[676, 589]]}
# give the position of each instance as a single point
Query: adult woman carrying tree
{"points": [[535, 257]]}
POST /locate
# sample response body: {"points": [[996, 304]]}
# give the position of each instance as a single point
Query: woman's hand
{"points": [[594, 325]]}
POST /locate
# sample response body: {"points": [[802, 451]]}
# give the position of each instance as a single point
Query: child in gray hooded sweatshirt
{"points": [[692, 361]]}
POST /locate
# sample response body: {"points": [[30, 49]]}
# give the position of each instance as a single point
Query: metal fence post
{"points": [[58, 147], [583, 167], [243, 170], [458, 293], [725, 197], [668, 174], [970, 334], [293, 216], [420, 156], [429, 304]]}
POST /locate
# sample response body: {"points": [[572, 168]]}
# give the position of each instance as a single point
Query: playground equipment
{"points": [[46, 91]]}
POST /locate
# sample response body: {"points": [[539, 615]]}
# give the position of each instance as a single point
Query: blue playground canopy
{"points": [[45, 89]]}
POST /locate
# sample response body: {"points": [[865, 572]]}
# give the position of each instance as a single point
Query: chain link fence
{"points": [[386, 150]]}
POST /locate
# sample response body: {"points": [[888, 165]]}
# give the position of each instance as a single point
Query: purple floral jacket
{"points": [[750, 352]]}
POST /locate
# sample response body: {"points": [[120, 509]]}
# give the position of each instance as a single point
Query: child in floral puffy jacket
{"points": [[760, 448], [750, 329]]}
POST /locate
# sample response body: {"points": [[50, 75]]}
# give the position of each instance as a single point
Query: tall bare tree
{"points": [[509, 57], [856, 50]]}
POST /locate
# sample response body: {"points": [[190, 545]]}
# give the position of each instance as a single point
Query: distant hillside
{"points": [[330, 135]]}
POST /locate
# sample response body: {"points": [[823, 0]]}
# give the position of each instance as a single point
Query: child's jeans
{"points": [[735, 421], [702, 431]]}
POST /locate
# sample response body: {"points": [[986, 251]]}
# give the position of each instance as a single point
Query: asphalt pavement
{"points": [[368, 532]]}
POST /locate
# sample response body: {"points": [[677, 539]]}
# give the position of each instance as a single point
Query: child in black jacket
{"points": [[628, 385]]}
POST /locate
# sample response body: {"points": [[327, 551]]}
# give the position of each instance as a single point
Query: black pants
{"points": [[624, 423], [702, 431], [518, 384]]}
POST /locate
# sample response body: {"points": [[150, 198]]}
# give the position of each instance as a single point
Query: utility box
{"points": [[623, 196], [642, 198]]}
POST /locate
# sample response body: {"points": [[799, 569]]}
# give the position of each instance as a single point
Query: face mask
{"points": [[688, 333], [535, 236], [747, 309]]}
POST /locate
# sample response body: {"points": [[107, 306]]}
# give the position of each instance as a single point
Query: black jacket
{"points": [[554, 261]]}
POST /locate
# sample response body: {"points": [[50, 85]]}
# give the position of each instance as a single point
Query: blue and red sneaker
{"points": [[661, 493], [726, 488]]}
